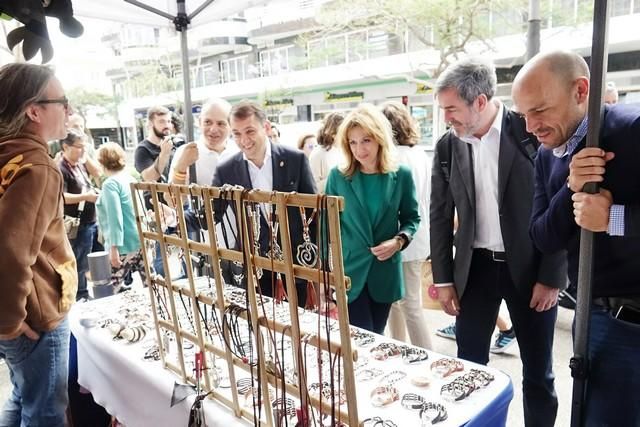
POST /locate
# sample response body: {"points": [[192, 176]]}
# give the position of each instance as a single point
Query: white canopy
{"points": [[121, 11]]}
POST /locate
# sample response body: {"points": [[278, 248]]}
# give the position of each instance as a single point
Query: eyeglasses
{"points": [[80, 147], [64, 101]]}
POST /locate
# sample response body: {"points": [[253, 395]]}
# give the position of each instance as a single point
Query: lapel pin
{"points": [[281, 163]]}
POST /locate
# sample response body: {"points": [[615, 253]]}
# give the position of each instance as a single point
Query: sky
{"points": [[81, 61]]}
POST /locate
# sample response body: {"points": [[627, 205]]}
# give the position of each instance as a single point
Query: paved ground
{"points": [[508, 362]]}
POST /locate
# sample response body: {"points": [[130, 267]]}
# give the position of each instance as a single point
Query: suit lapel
{"points": [[278, 168], [507, 151], [463, 162], [244, 179]]}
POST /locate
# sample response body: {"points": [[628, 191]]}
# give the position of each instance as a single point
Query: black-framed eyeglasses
{"points": [[64, 101]]}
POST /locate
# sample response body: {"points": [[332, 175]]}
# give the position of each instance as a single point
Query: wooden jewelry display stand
{"points": [[180, 310]]}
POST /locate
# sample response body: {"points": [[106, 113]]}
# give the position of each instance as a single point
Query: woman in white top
{"points": [[325, 156], [406, 314]]}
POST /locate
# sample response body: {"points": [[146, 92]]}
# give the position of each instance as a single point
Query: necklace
{"points": [[307, 254]]}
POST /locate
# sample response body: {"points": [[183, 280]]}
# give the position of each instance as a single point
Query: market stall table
{"points": [[138, 391]]}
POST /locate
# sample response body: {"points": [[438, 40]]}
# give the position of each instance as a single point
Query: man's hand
{"points": [[591, 211], [166, 147], [448, 298], [25, 330], [543, 297], [189, 155], [588, 165], [386, 249]]}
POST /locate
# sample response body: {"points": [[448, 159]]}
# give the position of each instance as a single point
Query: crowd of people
{"points": [[498, 213]]}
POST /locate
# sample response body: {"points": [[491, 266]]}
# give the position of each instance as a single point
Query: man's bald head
{"points": [[551, 91]]}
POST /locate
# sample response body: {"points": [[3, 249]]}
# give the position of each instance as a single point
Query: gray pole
{"points": [[533, 29], [182, 22], [579, 363]]}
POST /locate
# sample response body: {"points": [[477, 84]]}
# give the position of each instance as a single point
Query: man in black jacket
{"points": [[483, 170]]}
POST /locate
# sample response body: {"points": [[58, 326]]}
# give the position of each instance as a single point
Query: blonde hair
{"points": [[111, 156], [371, 120]]}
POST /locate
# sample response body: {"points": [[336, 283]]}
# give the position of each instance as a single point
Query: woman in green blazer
{"points": [[379, 218]]}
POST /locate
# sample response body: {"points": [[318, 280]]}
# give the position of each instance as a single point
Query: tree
{"points": [[447, 26], [83, 100]]}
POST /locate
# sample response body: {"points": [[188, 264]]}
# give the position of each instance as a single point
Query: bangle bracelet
{"points": [[179, 175], [383, 396]]}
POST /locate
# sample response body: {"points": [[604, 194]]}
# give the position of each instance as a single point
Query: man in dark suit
{"points": [[551, 91], [483, 170], [269, 167]]}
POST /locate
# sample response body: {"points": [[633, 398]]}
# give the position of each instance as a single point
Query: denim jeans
{"points": [[38, 371], [81, 246], [613, 384]]}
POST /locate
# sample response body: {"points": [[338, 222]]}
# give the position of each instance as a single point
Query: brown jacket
{"points": [[38, 279]]}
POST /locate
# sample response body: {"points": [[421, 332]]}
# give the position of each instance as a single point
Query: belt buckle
{"points": [[493, 256]]}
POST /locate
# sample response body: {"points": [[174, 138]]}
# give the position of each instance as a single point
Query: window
{"points": [[233, 69], [620, 7], [378, 44], [357, 46], [423, 115], [275, 61]]}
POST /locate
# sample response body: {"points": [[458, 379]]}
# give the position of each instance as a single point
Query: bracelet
{"points": [[182, 176], [368, 374], [445, 367], [383, 396], [412, 401], [414, 355], [392, 377], [377, 422], [434, 412]]}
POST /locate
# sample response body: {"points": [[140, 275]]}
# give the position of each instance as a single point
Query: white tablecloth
{"points": [[138, 392]]}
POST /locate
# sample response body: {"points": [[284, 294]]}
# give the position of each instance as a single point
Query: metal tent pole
{"points": [[580, 361]]}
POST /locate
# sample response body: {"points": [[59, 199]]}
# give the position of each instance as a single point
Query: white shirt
{"points": [[262, 177], [322, 161], [485, 170], [208, 160], [416, 159]]}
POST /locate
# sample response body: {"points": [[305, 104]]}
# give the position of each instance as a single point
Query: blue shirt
{"points": [[616, 212]]}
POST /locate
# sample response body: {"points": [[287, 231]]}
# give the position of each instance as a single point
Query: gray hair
{"points": [[20, 85], [470, 77], [223, 104]]}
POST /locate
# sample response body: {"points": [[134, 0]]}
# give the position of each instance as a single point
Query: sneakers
{"points": [[504, 340], [447, 332]]}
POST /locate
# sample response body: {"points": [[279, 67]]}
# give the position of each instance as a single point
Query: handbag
{"points": [[72, 223]]}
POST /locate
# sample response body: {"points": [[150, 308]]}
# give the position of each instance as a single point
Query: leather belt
{"points": [[493, 255]]}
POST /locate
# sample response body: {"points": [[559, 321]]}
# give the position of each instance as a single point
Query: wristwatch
{"points": [[402, 238]]}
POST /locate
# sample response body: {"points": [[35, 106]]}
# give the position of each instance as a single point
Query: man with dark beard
{"points": [[153, 155], [152, 159]]}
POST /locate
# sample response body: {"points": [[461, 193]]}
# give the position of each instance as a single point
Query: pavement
{"points": [[508, 362]]}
